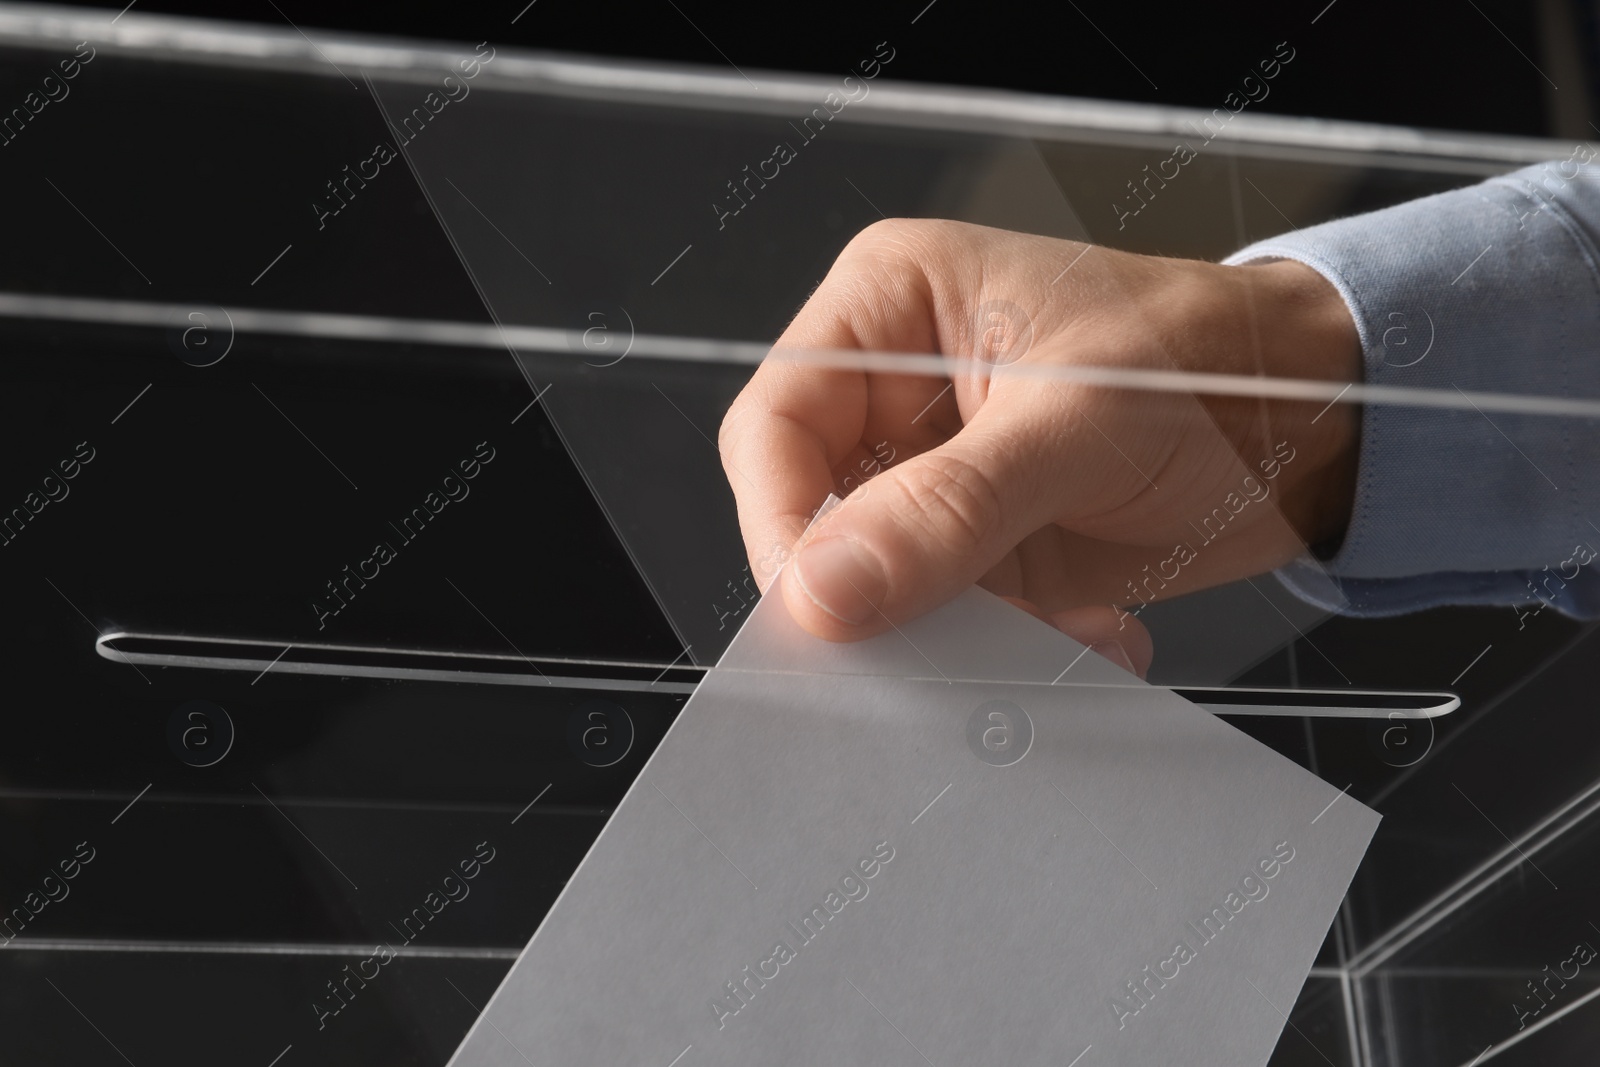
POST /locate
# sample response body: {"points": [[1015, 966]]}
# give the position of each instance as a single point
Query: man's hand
{"points": [[1081, 500]]}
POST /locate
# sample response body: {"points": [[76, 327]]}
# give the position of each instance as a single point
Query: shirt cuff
{"points": [[1490, 289]]}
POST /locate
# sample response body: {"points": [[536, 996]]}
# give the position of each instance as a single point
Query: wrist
{"points": [[1308, 333]]}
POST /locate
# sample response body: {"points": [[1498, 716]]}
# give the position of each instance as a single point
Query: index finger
{"points": [[793, 423], [779, 443]]}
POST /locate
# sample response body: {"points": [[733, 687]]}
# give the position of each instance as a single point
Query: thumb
{"points": [[916, 535]]}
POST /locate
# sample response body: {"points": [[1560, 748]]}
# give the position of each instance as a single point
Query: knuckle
{"points": [[726, 431], [895, 240], [886, 274], [953, 499], [880, 233], [727, 438]]}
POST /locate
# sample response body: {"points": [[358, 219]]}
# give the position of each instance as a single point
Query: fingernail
{"points": [[1113, 651], [842, 578]]}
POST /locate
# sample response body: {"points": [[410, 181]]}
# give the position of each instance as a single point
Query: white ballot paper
{"points": [[901, 852]]}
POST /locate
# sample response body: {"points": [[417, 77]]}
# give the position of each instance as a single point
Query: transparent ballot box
{"points": [[390, 375]]}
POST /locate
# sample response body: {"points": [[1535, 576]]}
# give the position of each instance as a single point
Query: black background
{"points": [[1447, 64], [393, 782]]}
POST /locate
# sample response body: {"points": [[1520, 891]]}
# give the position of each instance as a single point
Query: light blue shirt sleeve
{"points": [[1493, 288]]}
